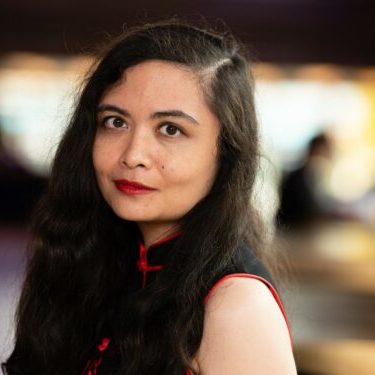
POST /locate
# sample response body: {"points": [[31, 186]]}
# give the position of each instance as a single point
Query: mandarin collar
{"points": [[154, 258]]}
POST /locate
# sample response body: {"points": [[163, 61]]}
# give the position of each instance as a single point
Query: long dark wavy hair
{"points": [[77, 274]]}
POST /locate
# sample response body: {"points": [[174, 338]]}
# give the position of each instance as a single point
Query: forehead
{"points": [[154, 68], [158, 81]]}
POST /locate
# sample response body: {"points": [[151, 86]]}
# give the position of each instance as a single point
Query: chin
{"points": [[130, 215]]}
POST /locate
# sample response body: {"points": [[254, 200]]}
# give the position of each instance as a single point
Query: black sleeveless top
{"points": [[105, 360]]}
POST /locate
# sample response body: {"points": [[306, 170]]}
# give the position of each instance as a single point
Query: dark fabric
{"points": [[244, 262]]}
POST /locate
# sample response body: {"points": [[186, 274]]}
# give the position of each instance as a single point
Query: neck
{"points": [[153, 232]]}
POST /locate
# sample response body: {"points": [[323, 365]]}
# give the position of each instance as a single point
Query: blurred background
{"points": [[314, 63]]}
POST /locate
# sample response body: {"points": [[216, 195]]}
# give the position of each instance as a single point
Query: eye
{"points": [[114, 122], [170, 130]]}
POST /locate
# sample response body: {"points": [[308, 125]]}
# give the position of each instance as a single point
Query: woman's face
{"points": [[155, 151]]}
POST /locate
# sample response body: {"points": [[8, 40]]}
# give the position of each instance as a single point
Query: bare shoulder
{"points": [[244, 331]]}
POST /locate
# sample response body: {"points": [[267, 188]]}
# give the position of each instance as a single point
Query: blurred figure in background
{"points": [[19, 188], [302, 200]]}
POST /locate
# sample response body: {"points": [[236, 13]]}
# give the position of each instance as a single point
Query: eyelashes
{"points": [[113, 122], [168, 129]]}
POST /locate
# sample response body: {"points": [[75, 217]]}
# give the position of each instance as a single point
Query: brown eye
{"points": [[114, 122], [170, 130]]}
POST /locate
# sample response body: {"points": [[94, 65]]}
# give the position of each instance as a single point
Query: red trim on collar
{"points": [[142, 263]]}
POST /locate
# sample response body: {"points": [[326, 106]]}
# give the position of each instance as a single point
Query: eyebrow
{"points": [[155, 115]]}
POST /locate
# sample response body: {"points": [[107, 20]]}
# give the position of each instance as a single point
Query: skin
{"points": [[177, 157], [244, 332], [174, 154]]}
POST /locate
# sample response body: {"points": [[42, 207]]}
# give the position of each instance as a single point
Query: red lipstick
{"points": [[132, 187]]}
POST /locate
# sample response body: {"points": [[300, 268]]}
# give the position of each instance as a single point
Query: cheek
{"points": [[97, 159], [101, 158], [103, 155], [193, 173], [208, 167], [97, 150]]}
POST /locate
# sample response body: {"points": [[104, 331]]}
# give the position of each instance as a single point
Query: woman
{"points": [[144, 246]]}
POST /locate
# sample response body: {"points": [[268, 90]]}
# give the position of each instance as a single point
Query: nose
{"points": [[137, 150]]}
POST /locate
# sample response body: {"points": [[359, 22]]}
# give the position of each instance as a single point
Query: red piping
{"points": [[143, 266], [142, 263]]}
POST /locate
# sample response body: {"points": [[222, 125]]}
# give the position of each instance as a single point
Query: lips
{"points": [[132, 187]]}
